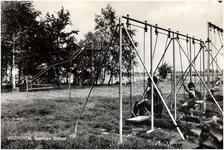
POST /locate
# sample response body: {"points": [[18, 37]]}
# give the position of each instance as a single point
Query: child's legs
{"points": [[138, 108], [185, 110], [191, 106], [191, 111], [144, 105], [135, 109]]}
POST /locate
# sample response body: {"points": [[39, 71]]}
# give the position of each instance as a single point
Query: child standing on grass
{"points": [[194, 95]]}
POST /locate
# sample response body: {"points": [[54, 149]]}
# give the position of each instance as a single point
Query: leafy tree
{"points": [[33, 41], [164, 69], [58, 44], [105, 28], [17, 22]]}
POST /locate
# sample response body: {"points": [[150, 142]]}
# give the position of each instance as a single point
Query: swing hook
{"points": [[208, 40], [210, 29], [201, 43], [127, 23], [156, 31], [169, 33], [193, 40], [187, 38], [177, 35], [145, 26]]}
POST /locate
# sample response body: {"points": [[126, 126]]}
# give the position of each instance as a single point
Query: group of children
{"points": [[194, 95]]}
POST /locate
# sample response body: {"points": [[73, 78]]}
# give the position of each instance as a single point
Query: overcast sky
{"points": [[187, 17]]}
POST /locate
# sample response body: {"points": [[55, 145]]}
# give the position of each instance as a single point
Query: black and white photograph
{"points": [[112, 74]]}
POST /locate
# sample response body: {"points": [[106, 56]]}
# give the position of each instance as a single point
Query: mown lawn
{"points": [[47, 119]]}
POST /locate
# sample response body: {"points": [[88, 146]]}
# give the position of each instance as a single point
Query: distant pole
{"points": [[27, 86], [120, 81], [13, 65], [93, 47], [69, 81]]}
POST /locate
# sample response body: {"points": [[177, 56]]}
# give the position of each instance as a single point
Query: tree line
{"points": [[29, 40]]}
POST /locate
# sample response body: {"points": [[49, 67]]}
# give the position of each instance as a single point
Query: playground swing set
{"points": [[172, 37], [191, 62], [151, 74]]}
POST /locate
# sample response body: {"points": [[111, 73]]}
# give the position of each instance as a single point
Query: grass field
{"points": [[47, 119]]}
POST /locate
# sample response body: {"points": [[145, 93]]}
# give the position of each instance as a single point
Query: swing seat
{"points": [[191, 119], [137, 119], [200, 101]]}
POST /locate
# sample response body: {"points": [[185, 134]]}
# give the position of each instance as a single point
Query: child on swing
{"points": [[217, 85], [194, 95], [145, 104]]}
